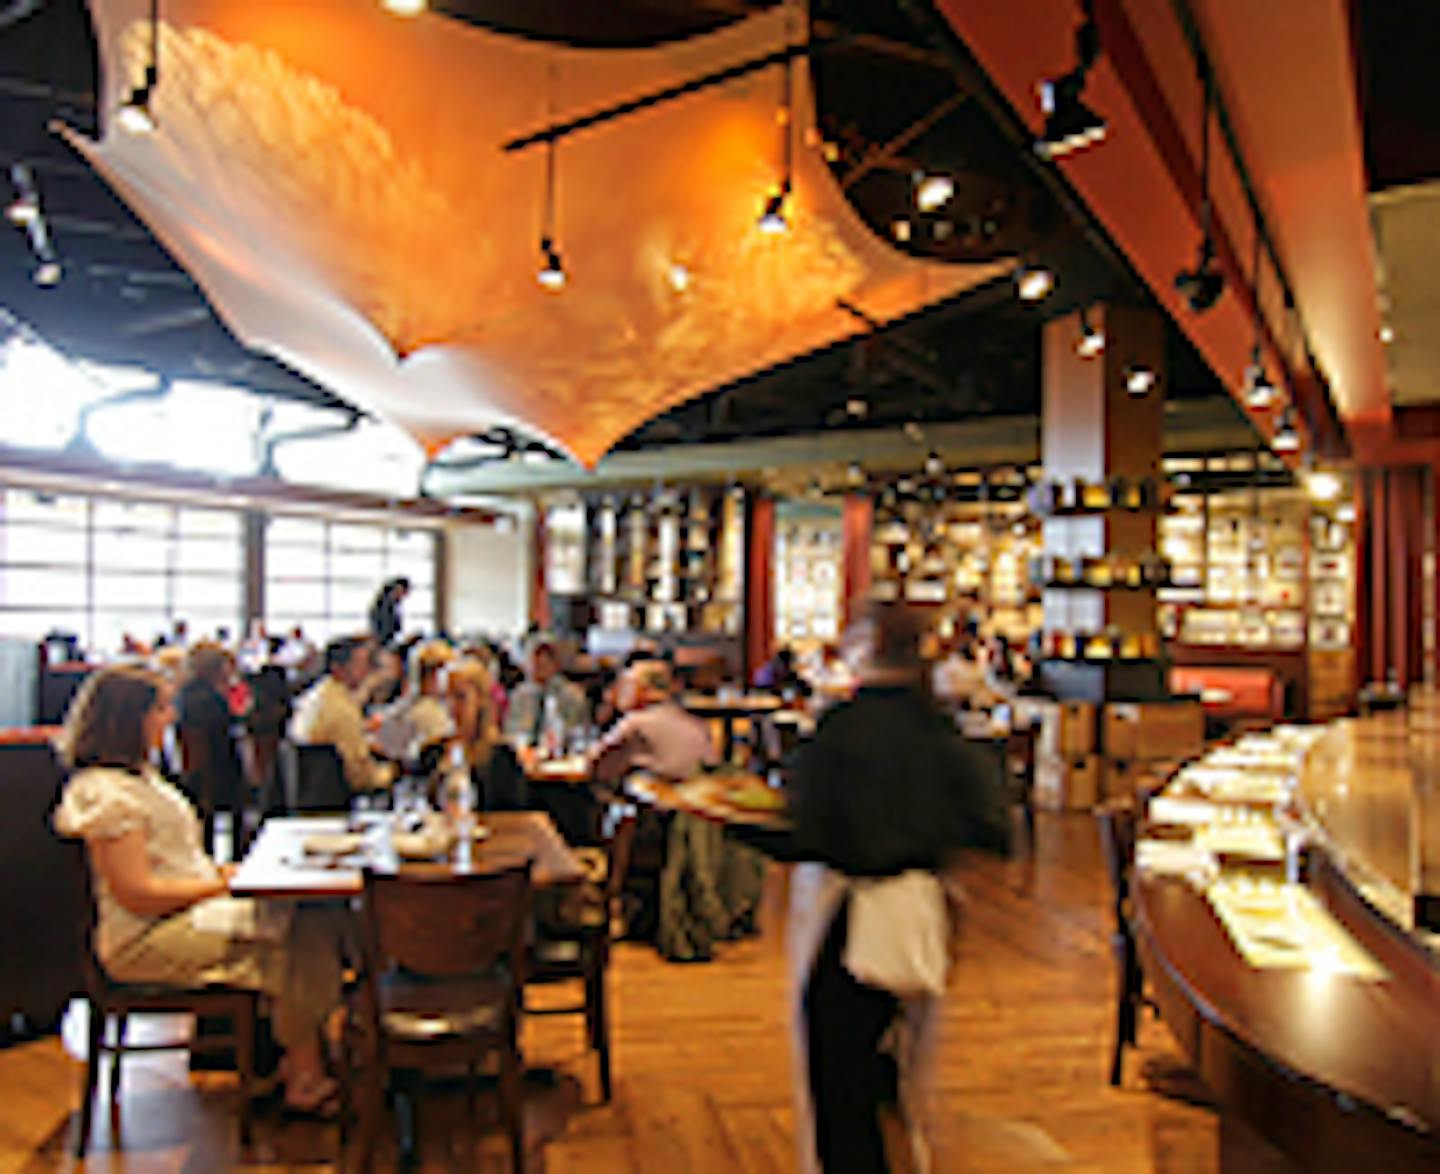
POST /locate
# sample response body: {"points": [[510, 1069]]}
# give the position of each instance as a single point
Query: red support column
{"points": [[539, 586], [759, 585], [857, 522]]}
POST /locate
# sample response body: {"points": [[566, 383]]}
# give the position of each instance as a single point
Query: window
{"points": [[323, 576], [101, 567]]}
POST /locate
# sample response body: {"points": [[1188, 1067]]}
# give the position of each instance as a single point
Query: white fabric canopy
{"points": [[332, 176]]}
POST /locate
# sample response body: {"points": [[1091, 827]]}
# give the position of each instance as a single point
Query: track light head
{"points": [[772, 220], [24, 210], [933, 192], [1139, 379], [1070, 125], [1033, 283], [1259, 392], [1091, 343], [552, 273], [1202, 286]]}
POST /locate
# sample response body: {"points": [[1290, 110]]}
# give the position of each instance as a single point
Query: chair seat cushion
{"points": [[414, 1008]]}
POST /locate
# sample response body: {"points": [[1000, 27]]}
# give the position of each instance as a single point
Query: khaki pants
{"points": [[300, 971]]}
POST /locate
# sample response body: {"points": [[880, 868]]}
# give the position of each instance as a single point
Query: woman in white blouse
{"points": [[164, 913]]}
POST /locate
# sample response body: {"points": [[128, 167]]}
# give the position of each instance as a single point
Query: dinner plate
{"points": [[418, 846], [332, 844]]}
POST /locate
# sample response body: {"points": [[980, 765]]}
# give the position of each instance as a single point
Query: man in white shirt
{"points": [[329, 714]]}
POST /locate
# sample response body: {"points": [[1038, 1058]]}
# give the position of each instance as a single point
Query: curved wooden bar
{"points": [[1338, 1071]]}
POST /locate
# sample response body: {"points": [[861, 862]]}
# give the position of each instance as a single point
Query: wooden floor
{"points": [[702, 1066]]}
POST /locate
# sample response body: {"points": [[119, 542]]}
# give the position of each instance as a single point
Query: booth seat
{"points": [[1233, 693]]}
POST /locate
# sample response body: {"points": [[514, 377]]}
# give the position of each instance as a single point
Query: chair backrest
{"points": [[1117, 841], [436, 922], [320, 780]]}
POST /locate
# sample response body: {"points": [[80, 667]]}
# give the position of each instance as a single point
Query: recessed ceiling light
{"points": [[679, 277], [404, 7], [1387, 334]]}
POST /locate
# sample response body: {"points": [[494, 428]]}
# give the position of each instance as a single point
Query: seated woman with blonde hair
{"points": [[493, 765], [164, 914]]}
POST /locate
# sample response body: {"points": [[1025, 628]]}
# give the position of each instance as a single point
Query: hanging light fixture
{"points": [[934, 465], [1091, 342], [1033, 282], [1070, 125], [552, 275], [136, 115], [773, 221], [1286, 437], [855, 473], [1202, 286], [1259, 392]]}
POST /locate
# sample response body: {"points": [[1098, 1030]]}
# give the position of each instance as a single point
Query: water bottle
{"points": [[551, 733], [459, 793]]}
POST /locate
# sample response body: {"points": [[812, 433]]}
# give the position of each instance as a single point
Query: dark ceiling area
{"points": [[888, 105], [1397, 49]]}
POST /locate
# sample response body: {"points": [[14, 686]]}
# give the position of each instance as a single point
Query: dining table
{"points": [[283, 862], [729, 709]]}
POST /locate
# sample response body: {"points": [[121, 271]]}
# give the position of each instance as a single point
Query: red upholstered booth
{"points": [[1233, 692]]}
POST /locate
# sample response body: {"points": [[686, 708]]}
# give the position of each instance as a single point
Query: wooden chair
{"points": [[444, 972], [317, 778], [1117, 841], [107, 997], [577, 948], [1020, 772]]}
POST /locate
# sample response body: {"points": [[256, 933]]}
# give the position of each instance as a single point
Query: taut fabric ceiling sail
{"points": [[333, 177]]}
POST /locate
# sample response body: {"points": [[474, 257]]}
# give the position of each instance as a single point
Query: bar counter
{"points": [[1340, 1070]]}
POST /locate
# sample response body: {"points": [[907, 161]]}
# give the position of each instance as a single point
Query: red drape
{"points": [[1390, 548], [539, 585], [857, 519], [759, 585]]}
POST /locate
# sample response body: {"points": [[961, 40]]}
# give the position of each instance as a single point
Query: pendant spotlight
{"points": [[1259, 392], [136, 115], [934, 465], [1070, 124], [552, 275], [1202, 286], [1286, 437], [1091, 342], [773, 221], [552, 270]]}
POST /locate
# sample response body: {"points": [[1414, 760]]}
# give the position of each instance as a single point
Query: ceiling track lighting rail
{"points": [[1185, 17], [707, 81]]}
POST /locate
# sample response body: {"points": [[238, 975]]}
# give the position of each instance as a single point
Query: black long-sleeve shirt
{"points": [[888, 785]]}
